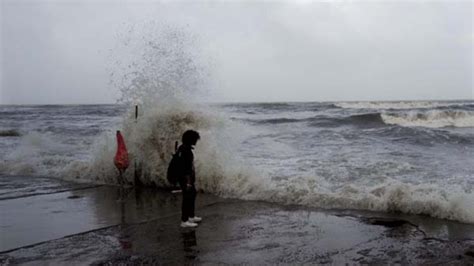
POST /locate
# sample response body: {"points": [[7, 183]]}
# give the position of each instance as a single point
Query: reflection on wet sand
{"points": [[189, 244], [134, 204]]}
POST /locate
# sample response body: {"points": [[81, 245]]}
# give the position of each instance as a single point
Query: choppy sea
{"points": [[409, 157]]}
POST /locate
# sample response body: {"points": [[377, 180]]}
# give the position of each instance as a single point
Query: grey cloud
{"points": [[57, 52]]}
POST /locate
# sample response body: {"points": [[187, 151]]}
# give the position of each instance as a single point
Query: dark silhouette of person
{"points": [[188, 179]]}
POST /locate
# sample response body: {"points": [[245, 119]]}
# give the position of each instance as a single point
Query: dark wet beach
{"points": [[105, 225]]}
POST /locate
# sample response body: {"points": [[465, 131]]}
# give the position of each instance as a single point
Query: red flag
{"points": [[121, 157]]}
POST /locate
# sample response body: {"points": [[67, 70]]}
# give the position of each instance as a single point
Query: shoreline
{"points": [[107, 225]]}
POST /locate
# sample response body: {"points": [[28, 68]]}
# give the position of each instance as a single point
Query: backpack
{"points": [[175, 167]]}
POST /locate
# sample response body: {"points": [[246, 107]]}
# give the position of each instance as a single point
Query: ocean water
{"points": [[409, 157]]}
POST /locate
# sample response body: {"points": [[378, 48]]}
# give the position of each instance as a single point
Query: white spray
{"points": [[164, 81]]}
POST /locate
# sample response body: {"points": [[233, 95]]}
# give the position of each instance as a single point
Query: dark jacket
{"points": [[187, 159]]}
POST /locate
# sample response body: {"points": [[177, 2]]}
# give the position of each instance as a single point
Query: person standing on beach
{"points": [[188, 179]]}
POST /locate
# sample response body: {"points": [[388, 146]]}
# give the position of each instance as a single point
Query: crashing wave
{"points": [[36, 154], [165, 81]]}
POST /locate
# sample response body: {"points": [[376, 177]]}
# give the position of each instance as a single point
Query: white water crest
{"points": [[431, 118], [452, 202], [36, 153]]}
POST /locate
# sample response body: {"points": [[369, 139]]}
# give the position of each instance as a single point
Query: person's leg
{"points": [[184, 215], [192, 201], [184, 204]]}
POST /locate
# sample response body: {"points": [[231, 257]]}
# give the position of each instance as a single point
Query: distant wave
{"points": [[423, 136], [362, 120], [278, 120], [270, 108], [432, 118], [274, 121], [414, 118], [9, 133], [401, 105], [371, 118]]}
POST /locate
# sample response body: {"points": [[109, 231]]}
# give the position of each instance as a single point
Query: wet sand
{"points": [[84, 224]]}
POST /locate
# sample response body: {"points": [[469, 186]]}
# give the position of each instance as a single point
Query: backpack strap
{"points": [[177, 149]]}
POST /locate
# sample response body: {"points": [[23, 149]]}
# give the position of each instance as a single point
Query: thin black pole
{"points": [[136, 113], [135, 160]]}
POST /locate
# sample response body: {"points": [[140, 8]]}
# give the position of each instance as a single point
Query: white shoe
{"points": [[188, 224], [195, 219]]}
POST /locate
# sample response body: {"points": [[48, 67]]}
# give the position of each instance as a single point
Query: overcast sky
{"points": [[56, 52]]}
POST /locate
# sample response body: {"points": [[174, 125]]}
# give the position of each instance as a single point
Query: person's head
{"points": [[190, 137]]}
